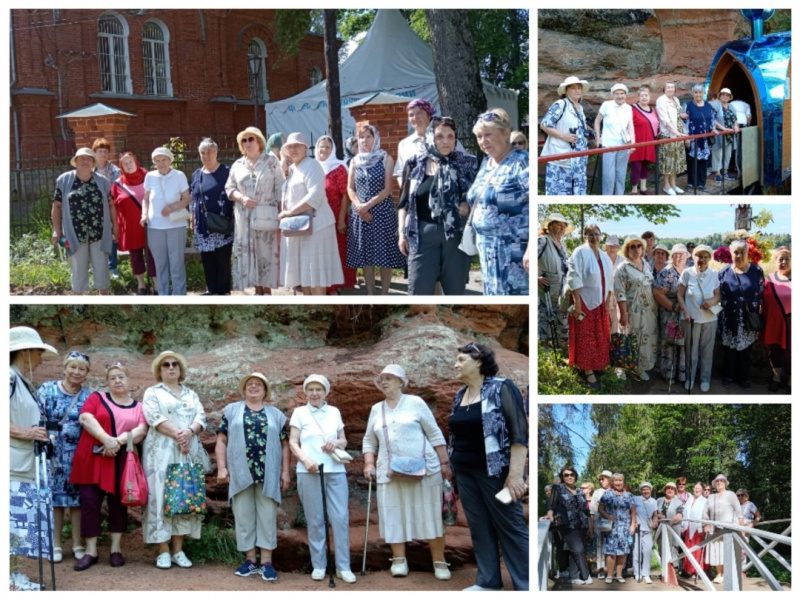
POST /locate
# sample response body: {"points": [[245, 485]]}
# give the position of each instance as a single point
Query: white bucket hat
{"points": [[611, 240], [161, 151], [619, 86], [296, 138], [703, 248], [27, 338], [395, 370], [320, 379], [678, 248], [645, 484], [720, 476]]}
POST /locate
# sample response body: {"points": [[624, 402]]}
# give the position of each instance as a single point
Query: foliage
{"points": [[178, 148], [290, 27], [217, 544], [581, 215]]}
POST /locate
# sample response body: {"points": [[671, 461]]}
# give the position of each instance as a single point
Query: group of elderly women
{"points": [[567, 131], [674, 311], [609, 524], [485, 454]]}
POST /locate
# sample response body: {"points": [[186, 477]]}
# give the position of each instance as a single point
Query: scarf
{"points": [[331, 163], [366, 160], [135, 178], [445, 192]]}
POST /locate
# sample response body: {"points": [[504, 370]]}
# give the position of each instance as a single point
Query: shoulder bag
{"points": [[215, 222], [178, 216], [752, 320], [338, 455], [468, 243], [403, 467]]}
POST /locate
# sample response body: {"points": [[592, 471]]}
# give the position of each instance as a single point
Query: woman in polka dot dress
{"points": [[372, 235]]}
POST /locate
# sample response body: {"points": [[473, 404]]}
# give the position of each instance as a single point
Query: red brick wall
{"points": [[391, 121], [201, 67]]}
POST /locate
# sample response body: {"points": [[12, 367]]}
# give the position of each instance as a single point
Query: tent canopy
{"points": [[392, 59]]}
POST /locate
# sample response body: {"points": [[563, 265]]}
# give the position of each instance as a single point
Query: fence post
{"points": [[665, 557], [657, 170], [732, 563]]}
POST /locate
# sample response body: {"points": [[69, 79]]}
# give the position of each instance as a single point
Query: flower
{"points": [[753, 251], [723, 255]]}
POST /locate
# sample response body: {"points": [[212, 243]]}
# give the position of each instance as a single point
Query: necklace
{"points": [[68, 391], [471, 401]]}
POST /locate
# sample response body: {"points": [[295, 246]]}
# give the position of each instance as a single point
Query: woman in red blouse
{"points": [[777, 308], [336, 191], [645, 125]]}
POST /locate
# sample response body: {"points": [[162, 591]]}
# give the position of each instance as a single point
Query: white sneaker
{"points": [[588, 581], [576, 581], [399, 569], [477, 588], [677, 190], [647, 579], [346, 576], [669, 191], [705, 386], [318, 574]]}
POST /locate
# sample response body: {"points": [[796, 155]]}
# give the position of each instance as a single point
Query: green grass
{"points": [[557, 377], [217, 544]]}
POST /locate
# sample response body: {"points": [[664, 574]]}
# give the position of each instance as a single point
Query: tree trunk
{"points": [[332, 86], [744, 216], [458, 79]]}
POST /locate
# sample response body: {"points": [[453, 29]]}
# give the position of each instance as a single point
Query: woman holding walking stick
{"points": [[317, 439]]}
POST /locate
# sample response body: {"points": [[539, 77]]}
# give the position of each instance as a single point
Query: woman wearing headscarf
{"points": [[176, 417], [646, 126], [633, 285], [338, 200], [372, 234], [694, 508], [254, 186], [671, 157], [26, 350], [777, 311], [741, 286], [617, 506], [433, 210], [63, 400], [488, 447], [253, 458], [566, 129], [166, 192], [350, 149], [402, 425], [107, 420], [317, 431], [209, 197], [501, 208], [552, 274], [670, 509], [700, 119], [723, 507], [127, 192], [672, 352], [84, 222], [274, 145], [567, 508], [590, 280]]}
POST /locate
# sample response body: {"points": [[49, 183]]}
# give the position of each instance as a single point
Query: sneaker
{"points": [[669, 191], [726, 382], [114, 273], [730, 177], [689, 187], [181, 560], [588, 581], [718, 178], [318, 574], [702, 188], [477, 588], [268, 572], [647, 579], [705, 386], [677, 190], [746, 386], [346, 576], [576, 581], [399, 569], [247, 569], [563, 575], [688, 385], [717, 579]]}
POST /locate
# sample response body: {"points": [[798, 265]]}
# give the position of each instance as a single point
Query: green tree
{"points": [[581, 215]]}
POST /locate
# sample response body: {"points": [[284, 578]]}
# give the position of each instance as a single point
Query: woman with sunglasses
{"points": [[63, 401], [569, 511], [176, 417], [433, 210], [107, 418], [519, 141], [638, 311], [500, 208], [254, 187]]}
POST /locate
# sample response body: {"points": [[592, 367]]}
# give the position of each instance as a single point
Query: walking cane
{"points": [[366, 527], [641, 551], [331, 583], [689, 353], [41, 473]]}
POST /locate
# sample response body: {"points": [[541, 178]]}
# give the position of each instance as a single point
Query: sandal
{"points": [[78, 551], [164, 561], [181, 560]]}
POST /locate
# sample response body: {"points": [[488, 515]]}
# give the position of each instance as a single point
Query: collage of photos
{"points": [[202, 397], [673, 314]]}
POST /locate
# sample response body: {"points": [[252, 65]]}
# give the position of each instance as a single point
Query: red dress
{"points": [[590, 339], [777, 302], [645, 126], [129, 215], [335, 188]]}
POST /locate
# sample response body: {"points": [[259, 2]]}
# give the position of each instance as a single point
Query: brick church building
{"points": [[182, 73]]}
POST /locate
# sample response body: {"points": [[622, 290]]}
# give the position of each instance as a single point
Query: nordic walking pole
{"points": [[331, 583], [38, 450], [49, 522], [366, 527]]}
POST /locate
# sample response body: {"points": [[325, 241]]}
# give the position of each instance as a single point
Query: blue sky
{"points": [[585, 430]]}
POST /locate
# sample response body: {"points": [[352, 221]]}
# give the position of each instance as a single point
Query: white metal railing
{"points": [[545, 553]]}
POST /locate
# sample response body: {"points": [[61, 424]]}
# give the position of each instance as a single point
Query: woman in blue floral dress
{"points": [[500, 215], [617, 506], [62, 402]]}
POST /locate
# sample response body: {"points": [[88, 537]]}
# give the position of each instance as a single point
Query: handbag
{"points": [[449, 503], [604, 525], [752, 320], [179, 215], [624, 351], [215, 222], [133, 483], [298, 225], [264, 217], [338, 455], [674, 332], [185, 490], [404, 467], [468, 244]]}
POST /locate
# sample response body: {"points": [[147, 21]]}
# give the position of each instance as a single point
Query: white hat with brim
{"points": [[296, 138], [83, 152], [608, 474], [558, 218], [395, 370], [645, 484], [669, 484], [702, 248], [27, 338], [253, 130], [678, 248], [255, 375], [726, 91], [619, 86], [660, 247], [611, 240], [572, 80], [155, 367], [320, 379], [718, 477], [629, 241], [162, 151]]}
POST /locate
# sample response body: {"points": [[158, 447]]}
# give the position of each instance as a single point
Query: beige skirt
{"points": [[410, 510]]}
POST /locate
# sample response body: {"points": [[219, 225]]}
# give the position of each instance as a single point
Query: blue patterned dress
{"points": [[373, 243], [501, 221], [616, 541], [57, 403], [566, 177]]}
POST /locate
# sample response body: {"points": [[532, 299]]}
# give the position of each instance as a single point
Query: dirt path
{"points": [[657, 385]]}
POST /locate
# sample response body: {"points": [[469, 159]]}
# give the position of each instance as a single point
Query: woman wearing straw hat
{"points": [[566, 128], [253, 458], [317, 431], [176, 417], [552, 252], [698, 297], [672, 354], [633, 285], [166, 196], [254, 187], [723, 507], [403, 427], [309, 261], [84, 222]]}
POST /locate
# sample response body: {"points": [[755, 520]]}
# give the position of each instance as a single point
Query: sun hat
{"points": [[619, 86], [320, 379], [678, 248], [296, 138], [645, 484], [82, 152], [660, 247], [161, 151], [255, 375], [720, 476], [703, 248], [605, 473], [669, 484], [726, 91], [27, 338], [155, 367], [395, 370], [629, 240], [255, 131], [572, 80], [558, 217], [611, 240]]}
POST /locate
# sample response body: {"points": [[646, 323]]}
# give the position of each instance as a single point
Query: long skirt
{"points": [[564, 181], [590, 339], [698, 537], [410, 510]]}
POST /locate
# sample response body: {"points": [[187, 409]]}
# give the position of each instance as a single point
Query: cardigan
{"points": [[64, 183], [583, 273]]}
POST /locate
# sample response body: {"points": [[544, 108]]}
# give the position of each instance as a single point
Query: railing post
{"points": [[658, 146], [694, 165], [663, 546], [732, 563], [723, 165]]}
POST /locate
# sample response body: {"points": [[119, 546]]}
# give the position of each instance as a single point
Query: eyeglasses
{"points": [[635, 246], [113, 364], [170, 364], [569, 475], [741, 495], [247, 140], [487, 117], [78, 355]]}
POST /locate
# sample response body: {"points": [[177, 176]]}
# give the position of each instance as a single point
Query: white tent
{"points": [[391, 58]]}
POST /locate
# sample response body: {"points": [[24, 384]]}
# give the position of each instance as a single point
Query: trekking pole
{"points": [[692, 368], [49, 521], [366, 527], [38, 450], [331, 583]]}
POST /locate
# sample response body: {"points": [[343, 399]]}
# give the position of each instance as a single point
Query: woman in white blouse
{"points": [[671, 157]]}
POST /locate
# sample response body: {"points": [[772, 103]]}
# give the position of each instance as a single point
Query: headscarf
{"points": [[445, 192], [366, 160], [423, 104], [275, 141], [331, 162], [135, 178], [348, 155]]}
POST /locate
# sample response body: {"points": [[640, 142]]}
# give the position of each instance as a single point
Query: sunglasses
{"points": [[247, 140], [487, 117], [741, 495], [519, 143], [170, 364], [636, 247], [113, 364], [569, 475], [78, 355]]}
